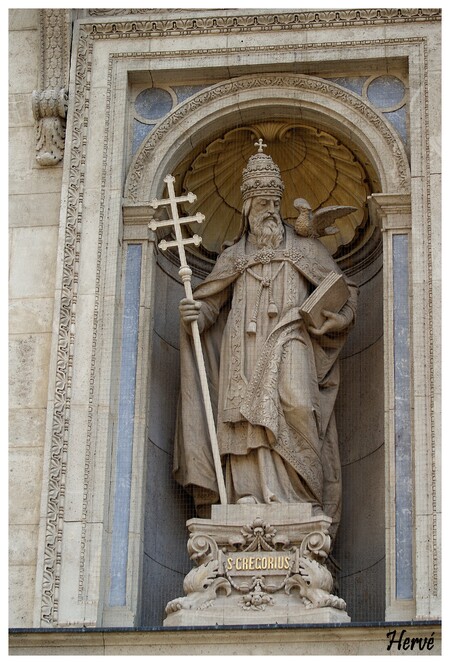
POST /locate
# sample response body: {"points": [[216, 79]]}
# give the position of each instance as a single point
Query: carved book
{"points": [[330, 295]]}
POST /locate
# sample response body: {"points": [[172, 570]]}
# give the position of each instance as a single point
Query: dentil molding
{"points": [[267, 20]]}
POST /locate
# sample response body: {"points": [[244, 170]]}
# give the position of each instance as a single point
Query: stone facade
{"points": [[95, 518], [34, 204]]}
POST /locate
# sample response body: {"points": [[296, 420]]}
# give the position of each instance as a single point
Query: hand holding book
{"points": [[335, 322], [321, 309]]}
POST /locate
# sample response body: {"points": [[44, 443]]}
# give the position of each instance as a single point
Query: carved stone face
{"points": [[265, 221], [263, 210]]}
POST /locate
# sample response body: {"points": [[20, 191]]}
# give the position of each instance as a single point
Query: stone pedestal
{"points": [[258, 564]]}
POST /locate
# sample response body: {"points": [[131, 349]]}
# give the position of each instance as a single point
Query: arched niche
{"points": [[249, 98], [360, 547]]}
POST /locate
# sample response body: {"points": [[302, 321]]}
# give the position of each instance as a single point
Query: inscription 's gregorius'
{"points": [[250, 563]]}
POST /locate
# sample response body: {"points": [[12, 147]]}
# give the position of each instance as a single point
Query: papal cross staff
{"points": [[185, 273]]}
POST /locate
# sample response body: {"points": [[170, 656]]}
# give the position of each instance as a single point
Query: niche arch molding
{"points": [[243, 99]]}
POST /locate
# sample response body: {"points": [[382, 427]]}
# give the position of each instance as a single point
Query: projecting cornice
{"points": [[195, 21]]}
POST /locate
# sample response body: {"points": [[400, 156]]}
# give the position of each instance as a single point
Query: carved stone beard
{"points": [[267, 228]]}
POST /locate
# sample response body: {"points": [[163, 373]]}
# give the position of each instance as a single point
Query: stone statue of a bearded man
{"points": [[273, 380]]}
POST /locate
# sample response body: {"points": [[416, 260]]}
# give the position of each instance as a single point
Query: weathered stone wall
{"points": [[420, 639], [34, 203]]}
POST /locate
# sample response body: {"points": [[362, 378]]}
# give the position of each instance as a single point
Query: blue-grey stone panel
{"points": [[398, 121], [353, 83], [125, 427], [153, 103], [140, 132], [386, 92], [402, 389], [183, 92]]}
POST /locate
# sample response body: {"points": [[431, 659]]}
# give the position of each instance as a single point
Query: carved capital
{"points": [[391, 211]]}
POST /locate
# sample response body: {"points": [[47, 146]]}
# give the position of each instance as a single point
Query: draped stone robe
{"points": [[273, 388]]}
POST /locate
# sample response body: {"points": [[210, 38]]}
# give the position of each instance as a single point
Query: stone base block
{"points": [[287, 614], [258, 565]]}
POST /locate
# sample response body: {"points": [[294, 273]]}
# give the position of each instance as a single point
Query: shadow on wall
{"points": [[167, 505], [360, 544]]}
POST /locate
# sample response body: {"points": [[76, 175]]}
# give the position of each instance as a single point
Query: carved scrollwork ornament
{"points": [[49, 110], [255, 565], [201, 586], [316, 545], [314, 583], [202, 548]]}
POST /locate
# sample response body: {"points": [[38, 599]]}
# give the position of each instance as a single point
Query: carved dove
{"points": [[317, 224]]}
